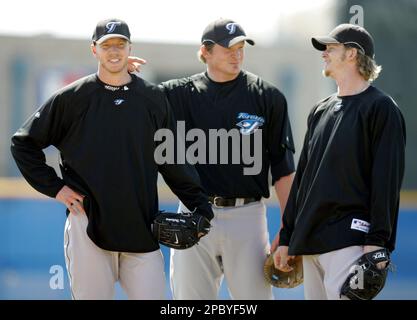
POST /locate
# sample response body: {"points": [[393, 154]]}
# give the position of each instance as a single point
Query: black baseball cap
{"points": [[350, 35], [225, 32], [111, 28]]}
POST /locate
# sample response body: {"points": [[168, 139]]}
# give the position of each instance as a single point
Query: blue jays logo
{"points": [[249, 123], [110, 26], [118, 102], [231, 27]]}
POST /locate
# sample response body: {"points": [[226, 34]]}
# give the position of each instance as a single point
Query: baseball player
{"points": [[345, 196], [227, 97], [104, 125]]}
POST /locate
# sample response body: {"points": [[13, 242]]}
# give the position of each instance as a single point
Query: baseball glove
{"points": [[365, 280], [180, 230], [281, 279]]}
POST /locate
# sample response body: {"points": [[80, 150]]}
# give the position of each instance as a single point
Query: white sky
{"points": [[179, 21]]}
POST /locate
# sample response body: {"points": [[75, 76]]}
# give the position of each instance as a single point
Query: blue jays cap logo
{"points": [[249, 123], [231, 27], [111, 26]]}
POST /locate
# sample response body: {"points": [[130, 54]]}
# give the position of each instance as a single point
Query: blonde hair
{"points": [[367, 67], [209, 48]]}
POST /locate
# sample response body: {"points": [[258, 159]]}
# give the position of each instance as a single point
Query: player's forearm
{"points": [[282, 190]]}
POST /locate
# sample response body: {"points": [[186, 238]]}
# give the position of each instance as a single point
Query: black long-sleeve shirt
{"points": [[245, 102], [105, 135], [346, 188]]}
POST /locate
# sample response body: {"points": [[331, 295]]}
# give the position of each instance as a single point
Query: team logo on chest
{"points": [[118, 102], [249, 123]]}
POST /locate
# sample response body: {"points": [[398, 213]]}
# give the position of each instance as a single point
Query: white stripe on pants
{"points": [[93, 271], [324, 274], [238, 235]]}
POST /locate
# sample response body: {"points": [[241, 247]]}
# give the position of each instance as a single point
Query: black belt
{"points": [[220, 202]]}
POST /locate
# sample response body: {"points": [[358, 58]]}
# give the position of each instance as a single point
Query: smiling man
{"points": [[227, 98], [343, 207], [104, 126]]}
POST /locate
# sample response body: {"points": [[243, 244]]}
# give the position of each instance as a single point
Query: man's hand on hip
{"points": [[71, 199]]}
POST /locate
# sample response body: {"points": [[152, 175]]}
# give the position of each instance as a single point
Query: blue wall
{"points": [[31, 241]]}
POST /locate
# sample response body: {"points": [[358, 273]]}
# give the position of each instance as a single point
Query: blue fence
{"points": [[31, 253]]}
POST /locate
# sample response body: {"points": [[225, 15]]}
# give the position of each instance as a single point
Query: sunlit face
{"points": [[334, 58], [112, 55], [226, 61]]}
